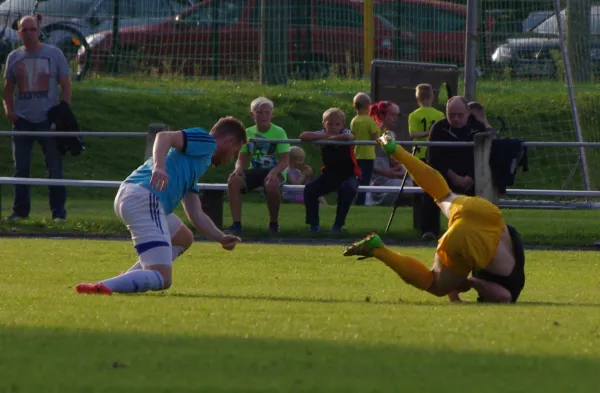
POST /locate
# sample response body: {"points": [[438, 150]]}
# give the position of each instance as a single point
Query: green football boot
{"points": [[388, 142], [364, 247]]}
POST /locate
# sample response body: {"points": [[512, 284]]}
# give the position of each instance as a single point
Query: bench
{"points": [[212, 195]]}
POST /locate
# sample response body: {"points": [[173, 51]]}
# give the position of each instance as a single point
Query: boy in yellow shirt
{"points": [[421, 120], [364, 128], [419, 125]]}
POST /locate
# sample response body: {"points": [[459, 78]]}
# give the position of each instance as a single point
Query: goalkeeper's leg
{"points": [[430, 180]]}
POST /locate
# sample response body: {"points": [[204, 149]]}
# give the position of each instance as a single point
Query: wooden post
{"points": [[484, 184], [153, 129]]}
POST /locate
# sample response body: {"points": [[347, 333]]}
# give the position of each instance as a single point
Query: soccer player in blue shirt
{"points": [[146, 200]]}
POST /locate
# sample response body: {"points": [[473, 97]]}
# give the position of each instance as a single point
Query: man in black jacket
{"points": [[456, 164]]}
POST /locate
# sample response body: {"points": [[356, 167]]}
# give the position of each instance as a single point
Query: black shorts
{"points": [[255, 178], [515, 281]]}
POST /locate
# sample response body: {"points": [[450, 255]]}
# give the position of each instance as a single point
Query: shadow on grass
{"points": [[59, 360], [370, 300]]}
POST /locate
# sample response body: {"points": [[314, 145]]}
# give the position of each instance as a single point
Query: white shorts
{"points": [[143, 214]]}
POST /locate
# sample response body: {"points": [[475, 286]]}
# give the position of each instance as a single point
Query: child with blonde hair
{"points": [[340, 172], [298, 173], [364, 128]]}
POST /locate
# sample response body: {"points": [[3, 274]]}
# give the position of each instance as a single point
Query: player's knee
{"points": [[183, 237], [272, 188], [310, 192], [235, 183], [349, 190]]}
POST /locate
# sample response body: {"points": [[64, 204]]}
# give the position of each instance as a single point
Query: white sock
{"points": [[176, 251], [135, 281]]}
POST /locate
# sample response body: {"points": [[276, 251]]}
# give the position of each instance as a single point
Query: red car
{"points": [[226, 38], [437, 28]]}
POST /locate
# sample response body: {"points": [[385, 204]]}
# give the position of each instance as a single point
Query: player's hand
{"points": [[159, 179], [307, 171], [229, 242], [12, 117], [272, 177], [237, 172], [453, 297]]}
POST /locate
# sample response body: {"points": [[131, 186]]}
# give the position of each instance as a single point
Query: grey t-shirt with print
{"points": [[35, 75]]}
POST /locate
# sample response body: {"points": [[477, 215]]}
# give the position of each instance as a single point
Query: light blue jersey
{"points": [[185, 168]]}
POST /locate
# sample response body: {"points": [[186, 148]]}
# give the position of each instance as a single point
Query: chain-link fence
{"points": [[307, 39]]}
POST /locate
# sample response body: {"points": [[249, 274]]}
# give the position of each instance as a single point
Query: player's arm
{"points": [[9, 89], [490, 291], [344, 136], [164, 141], [241, 163], [193, 210], [311, 136]]}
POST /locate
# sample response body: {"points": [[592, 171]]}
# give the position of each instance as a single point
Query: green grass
{"points": [[537, 227], [535, 110], [287, 319]]}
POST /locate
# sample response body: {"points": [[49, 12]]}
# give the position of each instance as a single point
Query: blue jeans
{"points": [[21, 147]]}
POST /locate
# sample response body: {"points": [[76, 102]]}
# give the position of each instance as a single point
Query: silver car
{"points": [[89, 16]]}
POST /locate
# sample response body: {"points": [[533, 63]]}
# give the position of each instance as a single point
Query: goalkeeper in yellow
{"points": [[477, 241]]}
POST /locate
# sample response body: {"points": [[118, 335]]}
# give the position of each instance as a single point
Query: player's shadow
{"points": [[368, 299], [272, 298]]}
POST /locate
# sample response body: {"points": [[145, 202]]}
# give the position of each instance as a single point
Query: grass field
{"points": [[538, 227], [287, 319]]}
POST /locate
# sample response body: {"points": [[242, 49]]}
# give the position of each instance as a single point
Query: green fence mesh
{"points": [[519, 55]]}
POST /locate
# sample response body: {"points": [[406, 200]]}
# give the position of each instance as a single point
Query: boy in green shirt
{"points": [[364, 128], [419, 125], [259, 165], [421, 120]]}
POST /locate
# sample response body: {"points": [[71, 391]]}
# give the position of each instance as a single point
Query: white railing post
{"points": [[484, 183], [153, 129]]}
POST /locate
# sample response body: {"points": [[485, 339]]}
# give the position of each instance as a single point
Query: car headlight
{"points": [[503, 54], [386, 43], [95, 39]]}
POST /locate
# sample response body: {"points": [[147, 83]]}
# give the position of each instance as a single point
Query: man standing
{"points": [[36, 70]]}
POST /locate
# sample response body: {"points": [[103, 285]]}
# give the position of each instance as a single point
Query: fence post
{"points": [[153, 129], [484, 184]]}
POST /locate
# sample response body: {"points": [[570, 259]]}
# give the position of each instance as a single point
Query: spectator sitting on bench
{"points": [[298, 173], [340, 171], [259, 165], [386, 173]]}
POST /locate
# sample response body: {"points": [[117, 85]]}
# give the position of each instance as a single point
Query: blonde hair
{"points": [[361, 101], [296, 151], [260, 102], [424, 92], [331, 112]]}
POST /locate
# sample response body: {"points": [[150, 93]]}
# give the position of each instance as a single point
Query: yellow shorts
{"points": [[474, 230]]}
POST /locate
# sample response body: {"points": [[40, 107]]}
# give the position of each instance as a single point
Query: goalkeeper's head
{"points": [[230, 135]]}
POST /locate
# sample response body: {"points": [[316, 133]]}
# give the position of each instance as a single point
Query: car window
{"points": [[152, 9], [421, 18], [228, 12], [63, 8], [299, 13], [595, 21], [106, 8], [550, 25], [334, 15]]}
